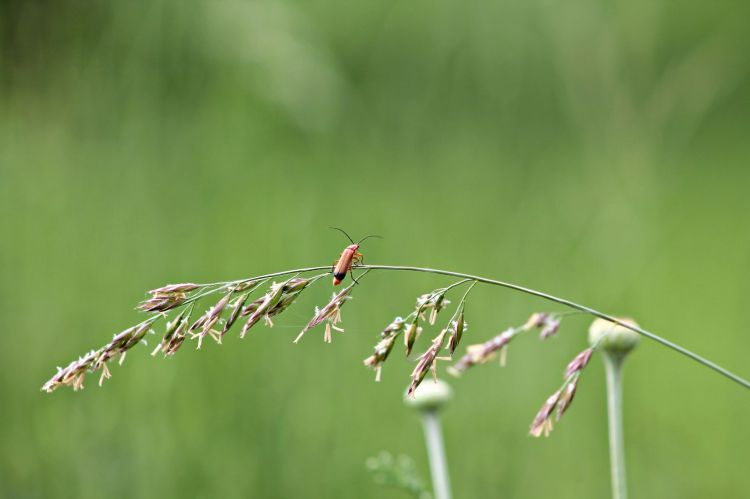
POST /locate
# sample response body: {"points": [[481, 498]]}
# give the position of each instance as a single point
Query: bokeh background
{"points": [[595, 150]]}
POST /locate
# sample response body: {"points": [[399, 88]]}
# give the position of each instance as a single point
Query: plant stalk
{"points": [[613, 368], [433, 435], [562, 301]]}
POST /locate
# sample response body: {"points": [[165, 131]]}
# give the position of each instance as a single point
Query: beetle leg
{"points": [[351, 271]]}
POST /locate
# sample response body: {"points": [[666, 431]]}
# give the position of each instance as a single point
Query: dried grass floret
{"points": [[427, 362], [384, 346], [210, 323], [562, 398], [484, 352], [330, 314], [96, 360]]}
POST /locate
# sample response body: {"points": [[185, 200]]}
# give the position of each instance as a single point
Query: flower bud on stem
{"points": [[615, 343], [428, 399]]}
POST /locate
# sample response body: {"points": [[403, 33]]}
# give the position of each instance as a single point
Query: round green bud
{"points": [[430, 396], [613, 338]]}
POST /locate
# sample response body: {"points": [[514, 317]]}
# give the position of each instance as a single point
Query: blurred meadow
{"points": [[596, 150]]}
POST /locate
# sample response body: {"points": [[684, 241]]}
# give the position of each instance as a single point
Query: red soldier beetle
{"points": [[349, 257]]}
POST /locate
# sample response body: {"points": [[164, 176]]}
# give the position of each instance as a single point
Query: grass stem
{"points": [[433, 435], [613, 368], [562, 301]]}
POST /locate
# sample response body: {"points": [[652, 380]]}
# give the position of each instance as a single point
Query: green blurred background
{"points": [[593, 149]]}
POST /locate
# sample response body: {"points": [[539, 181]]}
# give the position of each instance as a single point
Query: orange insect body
{"points": [[348, 258], [345, 262]]}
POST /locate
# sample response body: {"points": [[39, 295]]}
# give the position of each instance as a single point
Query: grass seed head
{"points": [[483, 352], [566, 398], [433, 302], [163, 303], [251, 307], [174, 327], [411, 333], [209, 320], [167, 297], [382, 350], [75, 373], [177, 339], [563, 397], [72, 375], [426, 362], [456, 332], [548, 324], [198, 323], [330, 313], [536, 320], [550, 327], [267, 303], [384, 346], [246, 285], [542, 423], [175, 288], [295, 285], [236, 309], [579, 362]]}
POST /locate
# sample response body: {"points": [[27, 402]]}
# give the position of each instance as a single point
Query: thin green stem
{"points": [[613, 368], [433, 435], [440, 291], [462, 281], [562, 301], [462, 302]]}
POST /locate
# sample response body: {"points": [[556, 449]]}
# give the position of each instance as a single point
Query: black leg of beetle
{"points": [[351, 271]]}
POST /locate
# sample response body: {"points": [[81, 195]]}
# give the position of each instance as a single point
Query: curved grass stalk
{"points": [[219, 286], [562, 301]]}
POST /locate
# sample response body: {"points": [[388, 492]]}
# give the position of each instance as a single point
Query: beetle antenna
{"points": [[366, 237], [343, 232]]}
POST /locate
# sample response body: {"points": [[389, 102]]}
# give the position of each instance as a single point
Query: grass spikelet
{"points": [[330, 313], [426, 362], [563, 397], [384, 346], [96, 360]]}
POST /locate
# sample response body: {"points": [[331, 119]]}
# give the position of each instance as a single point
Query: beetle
{"points": [[348, 258]]}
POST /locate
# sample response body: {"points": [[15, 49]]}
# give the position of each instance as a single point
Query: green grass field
{"points": [[594, 150]]}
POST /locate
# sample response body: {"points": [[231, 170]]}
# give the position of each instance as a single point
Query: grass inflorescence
{"points": [[235, 304], [248, 301]]}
